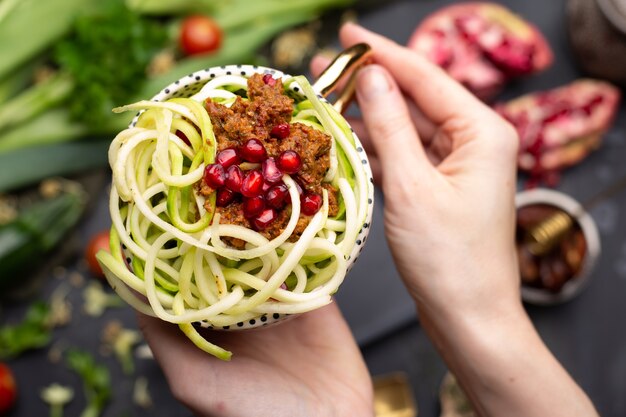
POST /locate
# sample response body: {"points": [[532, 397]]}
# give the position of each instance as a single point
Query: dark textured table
{"points": [[586, 334]]}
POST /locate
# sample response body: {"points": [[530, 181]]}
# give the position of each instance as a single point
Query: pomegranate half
{"points": [[482, 45], [560, 127]]}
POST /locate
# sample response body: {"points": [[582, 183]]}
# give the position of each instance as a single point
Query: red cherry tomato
{"points": [[97, 242], [8, 389], [199, 35]]}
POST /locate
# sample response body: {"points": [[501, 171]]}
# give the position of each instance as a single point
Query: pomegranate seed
{"points": [[280, 131], [266, 186], [228, 157], [234, 178], [252, 207], [311, 203], [224, 197], [253, 151], [183, 137], [289, 162], [271, 173], [264, 219], [252, 184], [269, 80], [214, 175], [276, 197]]}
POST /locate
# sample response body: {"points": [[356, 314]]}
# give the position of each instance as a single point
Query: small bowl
{"points": [[589, 230], [188, 86]]}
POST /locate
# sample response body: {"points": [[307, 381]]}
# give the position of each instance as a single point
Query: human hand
{"points": [[447, 164], [307, 366]]}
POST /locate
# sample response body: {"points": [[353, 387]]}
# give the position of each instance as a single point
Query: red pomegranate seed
{"points": [[252, 184], [289, 162], [234, 178], [228, 157], [253, 151], [183, 137], [276, 197], [264, 219], [280, 131], [252, 207], [269, 80], [214, 175], [311, 203], [271, 173], [224, 197]]}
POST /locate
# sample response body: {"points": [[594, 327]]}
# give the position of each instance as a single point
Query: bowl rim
{"points": [[589, 229]]}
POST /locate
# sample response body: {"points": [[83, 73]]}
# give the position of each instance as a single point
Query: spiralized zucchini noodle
{"points": [[175, 265]]}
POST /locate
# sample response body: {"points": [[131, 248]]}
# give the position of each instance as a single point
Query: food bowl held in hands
{"points": [[240, 197]]}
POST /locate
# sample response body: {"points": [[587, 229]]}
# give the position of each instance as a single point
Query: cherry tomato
{"points": [[97, 242], [199, 35], [8, 389]]}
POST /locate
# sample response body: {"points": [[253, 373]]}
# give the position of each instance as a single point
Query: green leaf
{"points": [[107, 56], [31, 333]]}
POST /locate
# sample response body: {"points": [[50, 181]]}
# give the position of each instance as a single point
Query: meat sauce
{"points": [[268, 106]]}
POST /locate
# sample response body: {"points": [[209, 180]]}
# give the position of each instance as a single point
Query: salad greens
{"points": [[32, 333]]}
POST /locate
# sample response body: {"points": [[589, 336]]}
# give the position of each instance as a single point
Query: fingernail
{"points": [[372, 83]]}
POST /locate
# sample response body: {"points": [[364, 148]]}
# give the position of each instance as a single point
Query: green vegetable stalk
{"points": [[31, 165], [28, 27], [96, 381], [35, 232]]}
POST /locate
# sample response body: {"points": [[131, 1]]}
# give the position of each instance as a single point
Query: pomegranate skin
{"points": [[482, 45], [558, 128]]}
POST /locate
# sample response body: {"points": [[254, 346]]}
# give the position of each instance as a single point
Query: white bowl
{"points": [[189, 85], [590, 231]]}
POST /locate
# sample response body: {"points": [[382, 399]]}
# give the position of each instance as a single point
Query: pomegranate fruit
{"points": [[289, 161], [253, 151], [234, 178], [264, 219], [280, 131], [482, 45], [224, 197], [214, 175], [276, 197], [269, 80], [311, 203], [560, 127], [228, 157], [253, 206], [252, 185], [271, 173]]}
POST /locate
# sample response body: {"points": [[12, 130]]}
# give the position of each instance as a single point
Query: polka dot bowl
{"points": [[188, 86]]}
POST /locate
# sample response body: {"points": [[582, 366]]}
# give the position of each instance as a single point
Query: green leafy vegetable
{"points": [[96, 381], [107, 57], [32, 333]]}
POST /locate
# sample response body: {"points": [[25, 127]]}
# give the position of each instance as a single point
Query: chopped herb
{"points": [[107, 57], [96, 381], [32, 333]]}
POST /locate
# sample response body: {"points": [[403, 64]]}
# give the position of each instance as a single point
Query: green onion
{"points": [[29, 166]]}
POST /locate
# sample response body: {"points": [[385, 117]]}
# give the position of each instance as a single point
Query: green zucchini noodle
{"points": [[175, 264]]}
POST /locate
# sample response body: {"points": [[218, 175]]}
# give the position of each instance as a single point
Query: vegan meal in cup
{"points": [[560, 273], [240, 196]]}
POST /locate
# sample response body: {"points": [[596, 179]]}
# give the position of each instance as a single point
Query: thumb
{"points": [[388, 122]]}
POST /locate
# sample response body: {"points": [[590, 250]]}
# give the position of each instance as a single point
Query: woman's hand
{"points": [[447, 165], [307, 366]]}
